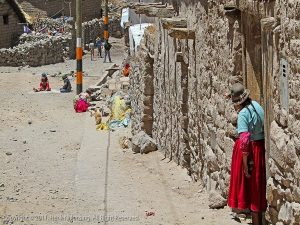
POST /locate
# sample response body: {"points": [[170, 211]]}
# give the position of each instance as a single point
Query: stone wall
{"points": [[142, 87], [95, 28], [284, 180], [11, 31], [193, 123], [36, 53]]}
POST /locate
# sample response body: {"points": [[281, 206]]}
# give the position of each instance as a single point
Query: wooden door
{"points": [[252, 56]]}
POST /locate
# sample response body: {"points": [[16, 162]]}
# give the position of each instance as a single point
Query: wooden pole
{"points": [[106, 34], [79, 46]]}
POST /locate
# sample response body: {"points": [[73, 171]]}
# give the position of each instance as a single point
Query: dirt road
{"points": [[57, 169]]}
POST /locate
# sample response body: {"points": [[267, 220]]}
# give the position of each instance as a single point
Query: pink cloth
{"points": [[244, 142], [81, 106]]}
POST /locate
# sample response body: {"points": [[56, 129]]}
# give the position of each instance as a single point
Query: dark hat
{"points": [[44, 75], [239, 94]]}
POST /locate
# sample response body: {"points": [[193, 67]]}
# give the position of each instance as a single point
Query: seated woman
{"points": [[67, 85], [44, 84], [82, 101]]}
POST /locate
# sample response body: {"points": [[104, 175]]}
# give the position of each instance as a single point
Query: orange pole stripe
{"points": [[79, 77], [105, 20], [106, 34], [78, 53]]}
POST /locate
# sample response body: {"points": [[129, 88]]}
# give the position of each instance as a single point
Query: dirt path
{"points": [[57, 169]]}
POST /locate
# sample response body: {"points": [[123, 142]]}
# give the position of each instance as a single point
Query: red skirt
{"points": [[248, 193]]}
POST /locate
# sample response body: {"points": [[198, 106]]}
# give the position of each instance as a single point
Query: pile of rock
{"points": [[143, 143], [34, 37], [49, 24]]}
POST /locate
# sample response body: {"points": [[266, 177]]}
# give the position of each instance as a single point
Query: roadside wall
{"points": [[192, 122], [95, 28], [42, 52]]}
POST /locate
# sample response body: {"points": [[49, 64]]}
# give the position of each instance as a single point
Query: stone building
{"points": [[187, 63], [11, 19], [54, 8]]}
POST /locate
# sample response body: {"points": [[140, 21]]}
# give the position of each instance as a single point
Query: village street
{"points": [[57, 169]]}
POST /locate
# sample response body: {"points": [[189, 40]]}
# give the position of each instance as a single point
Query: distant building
{"points": [[55, 8], [12, 20]]}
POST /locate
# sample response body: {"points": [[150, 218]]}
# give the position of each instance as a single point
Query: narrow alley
{"points": [[181, 112]]}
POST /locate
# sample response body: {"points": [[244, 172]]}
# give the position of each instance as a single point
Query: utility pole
{"points": [[79, 46], [140, 18], [106, 35]]}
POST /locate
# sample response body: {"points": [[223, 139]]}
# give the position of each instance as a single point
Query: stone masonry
{"points": [[94, 28], [41, 52], [254, 42]]}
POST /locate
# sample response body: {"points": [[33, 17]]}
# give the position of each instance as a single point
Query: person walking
{"points": [[248, 170], [92, 49], [107, 47], [99, 46]]}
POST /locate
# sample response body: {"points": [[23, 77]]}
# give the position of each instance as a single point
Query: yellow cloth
{"points": [[102, 126]]}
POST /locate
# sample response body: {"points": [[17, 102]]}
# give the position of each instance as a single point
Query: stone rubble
{"points": [[142, 143], [216, 201]]}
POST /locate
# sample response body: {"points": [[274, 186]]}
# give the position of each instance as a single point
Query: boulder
{"points": [[142, 143], [216, 201]]}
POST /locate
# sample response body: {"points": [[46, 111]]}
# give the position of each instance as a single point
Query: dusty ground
{"points": [[57, 169]]}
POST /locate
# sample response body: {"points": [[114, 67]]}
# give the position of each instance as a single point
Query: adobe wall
{"points": [[90, 8], [11, 31]]}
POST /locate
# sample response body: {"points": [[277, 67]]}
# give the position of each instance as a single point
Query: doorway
{"points": [[252, 56]]}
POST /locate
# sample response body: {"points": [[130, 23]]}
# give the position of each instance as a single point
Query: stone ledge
{"points": [[182, 33], [155, 11], [169, 23]]}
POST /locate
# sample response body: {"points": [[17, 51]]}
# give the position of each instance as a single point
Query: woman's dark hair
{"points": [[246, 103]]}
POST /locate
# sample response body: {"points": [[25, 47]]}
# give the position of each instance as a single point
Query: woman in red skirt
{"points": [[248, 171]]}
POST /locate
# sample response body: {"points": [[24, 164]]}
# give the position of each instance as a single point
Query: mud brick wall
{"points": [[91, 8], [258, 44], [11, 31]]}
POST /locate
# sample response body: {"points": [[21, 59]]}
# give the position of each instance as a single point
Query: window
{"points": [[5, 19]]}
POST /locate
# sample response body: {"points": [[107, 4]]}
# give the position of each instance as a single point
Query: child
{"points": [[44, 84], [67, 85]]}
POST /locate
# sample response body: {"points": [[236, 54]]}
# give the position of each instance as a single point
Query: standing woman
{"points": [[248, 170]]}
